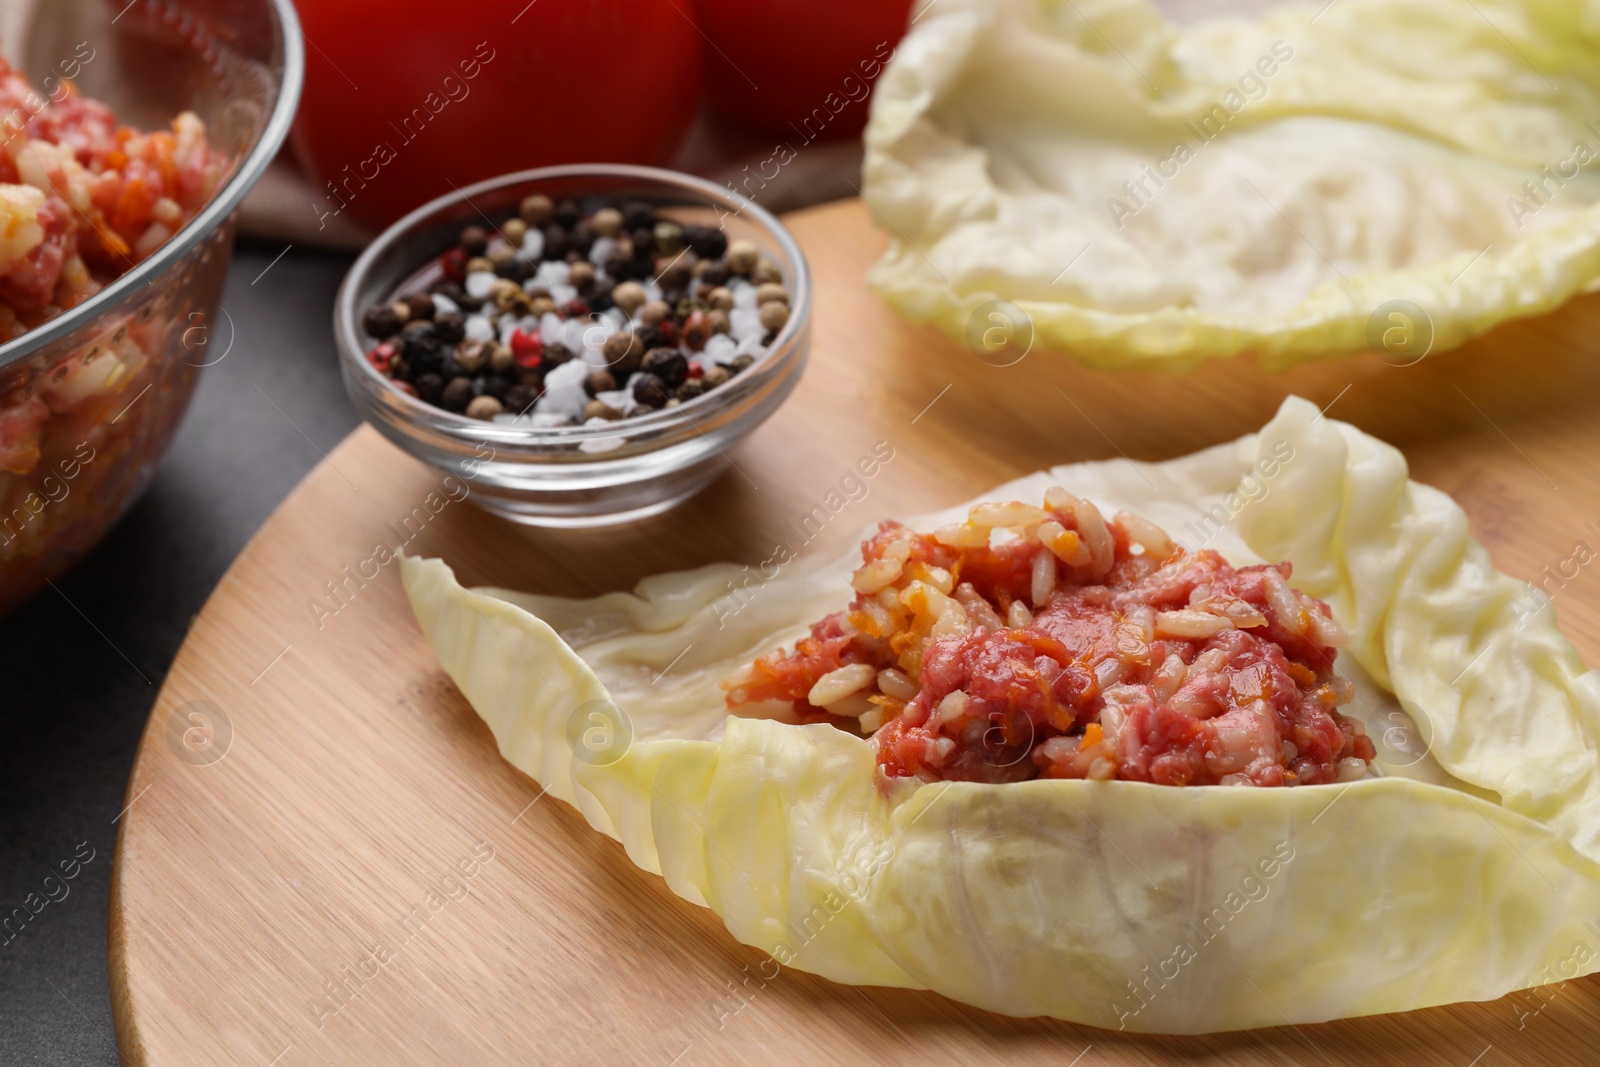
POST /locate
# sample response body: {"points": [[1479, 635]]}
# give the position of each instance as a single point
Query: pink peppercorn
{"points": [[526, 350]]}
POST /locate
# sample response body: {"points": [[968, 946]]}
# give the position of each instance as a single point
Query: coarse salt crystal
{"points": [[744, 294], [552, 272], [479, 328], [721, 346], [621, 399], [563, 294], [480, 283], [602, 444], [563, 390], [577, 335], [552, 328], [745, 323], [445, 304], [601, 250]]}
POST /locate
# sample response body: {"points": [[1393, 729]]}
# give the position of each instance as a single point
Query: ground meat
{"points": [[1033, 642]]}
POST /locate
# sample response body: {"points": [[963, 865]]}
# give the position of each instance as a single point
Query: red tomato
{"points": [[798, 68], [405, 99]]}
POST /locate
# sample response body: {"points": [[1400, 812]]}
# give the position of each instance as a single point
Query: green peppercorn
{"points": [[669, 238]]}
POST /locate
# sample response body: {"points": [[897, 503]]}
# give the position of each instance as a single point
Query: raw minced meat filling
{"points": [[1033, 641]]}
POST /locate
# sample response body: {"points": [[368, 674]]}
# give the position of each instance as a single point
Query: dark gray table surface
{"points": [[81, 667]]}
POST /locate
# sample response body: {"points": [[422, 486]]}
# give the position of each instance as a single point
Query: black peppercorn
{"points": [[555, 354], [668, 364], [474, 239], [624, 267], [650, 390], [457, 395], [418, 333], [449, 367], [716, 273], [599, 381], [381, 321], [600, 294], [555, 242], [451, 326], [651, 337], [519, 398], [707, 242], [637, 215], [457, 295], [429, 387], [420, 305], [674, 276], [567, 214], [496, 386], [582, 239]]}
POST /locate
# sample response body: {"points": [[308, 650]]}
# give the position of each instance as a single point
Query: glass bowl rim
{"points": [[348, 333], [207, 220]]}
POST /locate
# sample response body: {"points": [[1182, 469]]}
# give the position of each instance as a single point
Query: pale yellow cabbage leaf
{"points": [[1461, 873], [1287, 178]]}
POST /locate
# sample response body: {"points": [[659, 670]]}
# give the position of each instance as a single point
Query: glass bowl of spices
{"points": [[577, 345]]}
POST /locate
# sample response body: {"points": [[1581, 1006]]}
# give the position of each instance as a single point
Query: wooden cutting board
{"points": [[310, 785]]}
